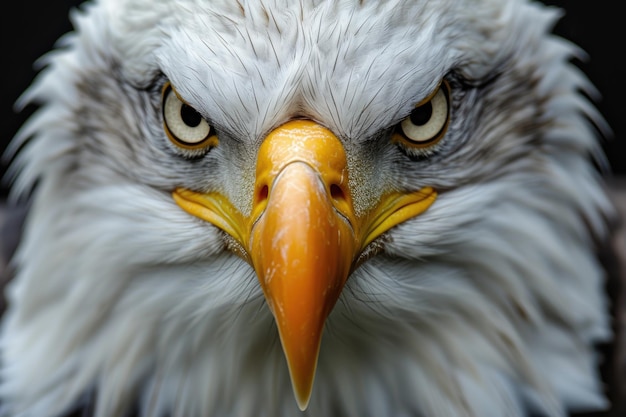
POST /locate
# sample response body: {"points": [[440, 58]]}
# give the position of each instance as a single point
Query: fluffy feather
{"points": [[489, 304]]}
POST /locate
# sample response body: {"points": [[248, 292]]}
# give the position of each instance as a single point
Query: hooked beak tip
{"points": [[303, 399]]}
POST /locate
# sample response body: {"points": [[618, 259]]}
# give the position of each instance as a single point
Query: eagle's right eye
{"points": [[184, 126]]}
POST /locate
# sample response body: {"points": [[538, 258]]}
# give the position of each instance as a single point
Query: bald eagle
{"points": [[310, 208]]}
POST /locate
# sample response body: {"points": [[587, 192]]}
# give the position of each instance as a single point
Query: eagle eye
{"points": [[184, 126], [428, 121]]}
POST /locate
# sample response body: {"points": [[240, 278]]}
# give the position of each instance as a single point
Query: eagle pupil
{"points": [[191, 117], [421, 115]]}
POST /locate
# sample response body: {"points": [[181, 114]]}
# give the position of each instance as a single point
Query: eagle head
{"points": [[382, 208]]}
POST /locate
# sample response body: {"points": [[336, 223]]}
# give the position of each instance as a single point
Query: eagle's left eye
{"points": [[428, 121], [184, 126]]}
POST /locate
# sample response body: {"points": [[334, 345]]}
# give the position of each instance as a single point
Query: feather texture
{"points": [[489, 304]]}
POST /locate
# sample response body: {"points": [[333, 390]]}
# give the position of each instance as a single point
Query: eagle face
{"points": [[308, 208]]}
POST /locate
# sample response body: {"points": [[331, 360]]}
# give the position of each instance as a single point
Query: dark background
{"points": [[32, 27]]}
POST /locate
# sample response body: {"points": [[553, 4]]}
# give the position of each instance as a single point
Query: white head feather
{"points": [[489, 304]]}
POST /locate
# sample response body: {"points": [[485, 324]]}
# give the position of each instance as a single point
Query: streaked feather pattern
{"points": [[489, 304]]}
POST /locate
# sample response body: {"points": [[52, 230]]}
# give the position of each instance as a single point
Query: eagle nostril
{"points": [[336, 192], [262, 194]]}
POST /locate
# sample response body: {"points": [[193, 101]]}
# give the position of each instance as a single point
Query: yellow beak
{"points": [[302, 236]]}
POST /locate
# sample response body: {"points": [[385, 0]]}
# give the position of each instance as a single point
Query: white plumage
{"points": [[490, 303]]}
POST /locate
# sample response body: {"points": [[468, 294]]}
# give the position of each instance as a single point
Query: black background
{"points": [[32, 28]]}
